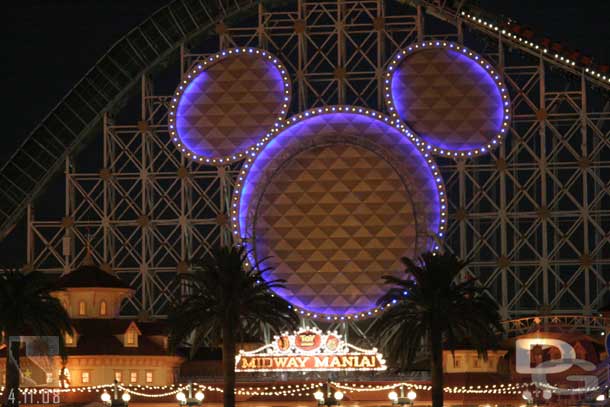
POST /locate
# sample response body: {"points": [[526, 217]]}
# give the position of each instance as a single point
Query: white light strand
{"points": [[156, 395], [524, 41], [299, 390], [201, 67], [503, 129], [510, 388]]}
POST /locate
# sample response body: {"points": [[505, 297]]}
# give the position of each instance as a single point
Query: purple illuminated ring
{"points": [[336, 197], [454, 99], [227, 103]]}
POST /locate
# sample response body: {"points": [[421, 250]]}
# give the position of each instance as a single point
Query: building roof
{"points": [[97, 337], [100, 337], [95, 326], [110, 345], [89, 275]]}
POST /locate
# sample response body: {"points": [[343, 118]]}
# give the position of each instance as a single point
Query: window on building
{"points": [[85, 377], [103, 308], [149, 377], [131, 337], [133, 377], [69, 340], [457, 363], [118, 376], [82, 308], [476, 363]]}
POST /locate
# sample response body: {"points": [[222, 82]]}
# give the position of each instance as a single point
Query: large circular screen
{"points": [[332, 203]]}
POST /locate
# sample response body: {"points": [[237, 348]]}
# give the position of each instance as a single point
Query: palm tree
{"points": [[27, 308], [433, 304], [226, 299]]}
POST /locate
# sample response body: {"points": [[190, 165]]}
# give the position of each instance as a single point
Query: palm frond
{"points": [[431, 292], [227, 289], [27, 306]]}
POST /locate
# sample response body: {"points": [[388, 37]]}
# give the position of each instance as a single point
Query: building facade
{"points": [[103, 346]]}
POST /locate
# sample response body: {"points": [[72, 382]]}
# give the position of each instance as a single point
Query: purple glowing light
{"points": [[450, 96], [314, 128], [228, 103]]}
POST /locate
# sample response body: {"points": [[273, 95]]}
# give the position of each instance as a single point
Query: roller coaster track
{"points": [[557, 323], [65, 130], [79, 113]]}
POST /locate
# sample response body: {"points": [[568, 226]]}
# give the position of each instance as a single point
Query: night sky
{"points": [[48, 45]]}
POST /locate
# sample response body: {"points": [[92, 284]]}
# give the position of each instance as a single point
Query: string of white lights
{"points": [[200, 68], [510, 388], [524, 41], [300, 390], [158, 395]]}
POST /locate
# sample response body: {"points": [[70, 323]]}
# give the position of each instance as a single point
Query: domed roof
{"points": [[89, 275]]}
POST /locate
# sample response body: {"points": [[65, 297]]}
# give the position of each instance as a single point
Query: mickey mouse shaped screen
{"points": [[330, 199]]}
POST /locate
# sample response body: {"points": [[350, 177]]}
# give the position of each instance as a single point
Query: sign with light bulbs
{"points": [[309, 350]]}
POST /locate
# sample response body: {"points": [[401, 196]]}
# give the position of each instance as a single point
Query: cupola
{"points": [[91, 292]]}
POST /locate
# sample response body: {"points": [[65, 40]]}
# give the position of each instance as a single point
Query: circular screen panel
{"points": [[332, 203], [450, 96], [228, 103]]}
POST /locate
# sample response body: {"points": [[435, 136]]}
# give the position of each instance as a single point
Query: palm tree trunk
{"points": [[436, 365], [228, 361], [10, 396]]}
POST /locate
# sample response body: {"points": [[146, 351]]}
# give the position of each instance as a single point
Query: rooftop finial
{"points": [[88, 260]]}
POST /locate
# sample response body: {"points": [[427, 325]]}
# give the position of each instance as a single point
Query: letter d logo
{"points": [[524, 350]]}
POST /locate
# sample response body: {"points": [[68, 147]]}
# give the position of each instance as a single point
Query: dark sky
{"points": [[48, 45], [582, 24]]}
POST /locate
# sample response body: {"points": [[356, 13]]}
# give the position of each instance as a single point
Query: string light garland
{"points": [[510, 388], [524, 41], [170, 390], [294, 390], [353, 387], [201, 67], [158, 395], [579, 390], [281, 390], [490, 70]]}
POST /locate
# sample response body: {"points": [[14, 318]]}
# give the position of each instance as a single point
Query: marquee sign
{"points": [[309, 350]]}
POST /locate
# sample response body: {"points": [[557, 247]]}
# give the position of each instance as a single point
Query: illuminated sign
{"points": [[309, 350]]}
